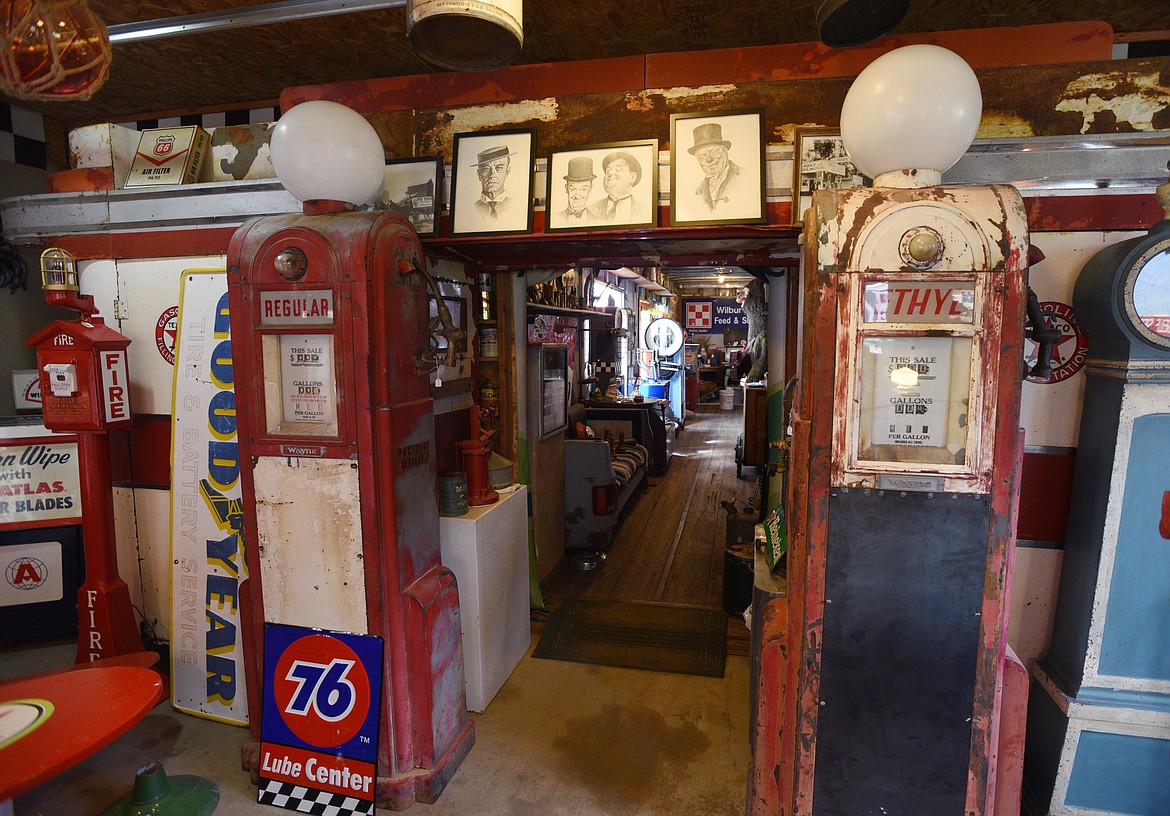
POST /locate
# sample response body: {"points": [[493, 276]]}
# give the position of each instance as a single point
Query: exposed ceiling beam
{"points": [[285, 11]]}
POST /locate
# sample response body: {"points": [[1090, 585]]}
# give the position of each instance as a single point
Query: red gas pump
{"points": [[85, 390], [330, 345]]}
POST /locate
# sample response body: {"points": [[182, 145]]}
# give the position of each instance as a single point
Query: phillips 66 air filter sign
{"points": [[207, 537]]}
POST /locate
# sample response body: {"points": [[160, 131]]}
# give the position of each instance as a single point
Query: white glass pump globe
{"points": [[915, 108], [325, 151]]}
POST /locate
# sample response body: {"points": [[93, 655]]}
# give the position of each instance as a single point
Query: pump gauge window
{"points": [[914, 399], [1148, 303], [300, 385]]}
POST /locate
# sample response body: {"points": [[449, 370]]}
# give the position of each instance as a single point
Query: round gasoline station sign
{"points": [[165, 329], [1069, 352]]}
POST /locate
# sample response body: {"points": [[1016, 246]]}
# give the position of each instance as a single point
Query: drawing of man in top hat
{"points": [[621, 173], [492, 166], [721, 181], [578, 185]]}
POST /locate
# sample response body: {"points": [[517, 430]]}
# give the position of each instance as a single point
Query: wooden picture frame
{"points": [[414, 188], [717, 167], [820, 162], [491, 182], [582, 195]]}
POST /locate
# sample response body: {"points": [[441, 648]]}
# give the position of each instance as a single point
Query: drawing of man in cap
{"points": [[721, 180], [492, 166], [621, 172], [578, 185]]}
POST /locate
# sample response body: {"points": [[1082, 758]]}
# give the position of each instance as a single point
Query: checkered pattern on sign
{"points": [[698, 315], [207, 121], [305, 800], [602, 367]]}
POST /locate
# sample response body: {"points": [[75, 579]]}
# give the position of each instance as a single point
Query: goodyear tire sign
{"points": [[207, 535]]}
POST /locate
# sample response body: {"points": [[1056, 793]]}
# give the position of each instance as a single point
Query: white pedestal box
{"points": [[487, 549]]}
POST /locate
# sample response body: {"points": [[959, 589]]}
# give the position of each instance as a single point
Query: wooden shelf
{"points": [[561, 310]]}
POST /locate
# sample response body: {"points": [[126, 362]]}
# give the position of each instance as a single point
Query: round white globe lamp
{"points": [[325, 152], [910, 115]]}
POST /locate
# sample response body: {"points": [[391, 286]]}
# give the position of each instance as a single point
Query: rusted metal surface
{"points": [[82, 180], [770, 618], [370, 96], [980, 48], [1013, 715], [239, 152], [562, 121]]}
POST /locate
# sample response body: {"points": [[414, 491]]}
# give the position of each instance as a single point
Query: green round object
{"points": [[155, 793]]}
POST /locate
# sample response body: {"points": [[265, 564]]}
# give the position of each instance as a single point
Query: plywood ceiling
{"points": [[245, 67]]}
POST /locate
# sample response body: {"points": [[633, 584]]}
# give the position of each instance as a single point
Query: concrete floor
{"points": [[559, 739]]}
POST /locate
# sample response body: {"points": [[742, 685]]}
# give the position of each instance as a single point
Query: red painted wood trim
{"points": [[140, 456], [146, 244], [1089, 212], [455, 88], [980, 47], [1045, 495]]}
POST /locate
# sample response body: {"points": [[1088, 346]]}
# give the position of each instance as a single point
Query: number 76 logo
{"points": [[321, 688]]}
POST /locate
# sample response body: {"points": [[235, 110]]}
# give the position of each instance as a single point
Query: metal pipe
{"points": [[286, 11]]}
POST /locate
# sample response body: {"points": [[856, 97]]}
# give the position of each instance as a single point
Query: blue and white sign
{"points": [[322, 707], [714, 315]]}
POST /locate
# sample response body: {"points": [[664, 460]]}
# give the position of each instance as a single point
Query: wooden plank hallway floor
{"points": [[670, 548]]}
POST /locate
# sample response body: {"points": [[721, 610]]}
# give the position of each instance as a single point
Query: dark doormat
{"points": [[680, 639]]}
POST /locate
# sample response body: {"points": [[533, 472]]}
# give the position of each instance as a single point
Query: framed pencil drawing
{"points": [[412, 187], [491, 182], [603, 186], [820, 162], [717, 167]]}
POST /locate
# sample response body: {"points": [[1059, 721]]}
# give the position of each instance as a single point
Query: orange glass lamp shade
{"points": [[52, 50]]}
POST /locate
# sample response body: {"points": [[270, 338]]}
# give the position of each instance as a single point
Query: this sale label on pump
{"points": [[319, 732]]}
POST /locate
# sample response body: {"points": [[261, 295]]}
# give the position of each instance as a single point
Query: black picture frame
{"points": [[820, 162], [470, 213], [413, 187], [584, 167], [740, 182]]}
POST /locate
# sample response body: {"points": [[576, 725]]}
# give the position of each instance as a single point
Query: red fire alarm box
{"points": [[84, 381]]}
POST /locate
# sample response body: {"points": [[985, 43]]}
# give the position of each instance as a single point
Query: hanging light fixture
{"points": [[466, 35], [52, 50]]}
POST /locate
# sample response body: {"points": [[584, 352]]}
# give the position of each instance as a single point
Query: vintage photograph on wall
{"points": [[820, 162], [491, 182], [717, 167], [603, 186], [412, 187]]}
